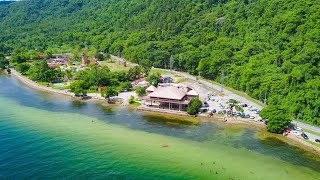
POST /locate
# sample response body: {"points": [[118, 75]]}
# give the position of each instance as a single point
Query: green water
{"points": [[48, 136]]}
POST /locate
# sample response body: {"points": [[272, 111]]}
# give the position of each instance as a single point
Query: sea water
{"points": [[50, 136]]}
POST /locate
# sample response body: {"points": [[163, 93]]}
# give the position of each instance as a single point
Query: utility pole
{"points": [[171, 61], [222, 81]]}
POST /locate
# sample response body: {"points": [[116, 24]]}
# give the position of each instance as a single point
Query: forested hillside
{"points": [[261, 46]]}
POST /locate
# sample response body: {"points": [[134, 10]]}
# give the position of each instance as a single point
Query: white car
{"points": [[295, 133], [252, 117]]}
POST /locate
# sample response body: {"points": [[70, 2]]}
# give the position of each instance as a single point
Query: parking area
{"points": [[219, 103], [298, 132]]}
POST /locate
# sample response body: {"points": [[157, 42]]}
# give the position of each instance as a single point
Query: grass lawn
{"points": [[311, 132], [314, 143], [115, 66], [160, 71], [135, 103]]}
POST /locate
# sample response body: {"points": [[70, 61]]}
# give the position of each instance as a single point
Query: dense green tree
{"points": [[141, 91], [99, 56], [3, 61], [194, 106], [278, 118], [109, 92], [23, 68], [18, 58], [39, 71], [154, 79], [135, 72]]}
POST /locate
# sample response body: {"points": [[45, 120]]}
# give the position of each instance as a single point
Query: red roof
{"points": [[52, 65], [93, 60]]}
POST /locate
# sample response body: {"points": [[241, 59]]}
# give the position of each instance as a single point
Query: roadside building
{"points": [[171, 97]]}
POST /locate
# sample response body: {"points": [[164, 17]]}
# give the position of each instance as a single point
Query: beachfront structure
{"points": [[169, 96]]}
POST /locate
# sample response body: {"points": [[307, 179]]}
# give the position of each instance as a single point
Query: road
{"points": [[231, 95], [306, 126]]}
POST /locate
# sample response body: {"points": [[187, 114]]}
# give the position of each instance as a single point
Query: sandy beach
{"points": [[34, 85]]}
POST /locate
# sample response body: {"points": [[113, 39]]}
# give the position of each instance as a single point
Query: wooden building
{"points": [[169, 97]]}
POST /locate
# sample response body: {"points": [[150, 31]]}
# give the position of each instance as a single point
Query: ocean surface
{"points": [[46, 136]]}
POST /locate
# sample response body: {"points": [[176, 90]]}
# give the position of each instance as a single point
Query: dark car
{"points": [[244, 105], [248, 116], [224, 111], [219, 112], [214, 111], [304, 136], [317, 140]]}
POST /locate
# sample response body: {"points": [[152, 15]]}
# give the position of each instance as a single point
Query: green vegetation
{"points": [[3, 61], [109, 92], [154, 79], [95, 76], [114, 66], [133, 102], [278, 118], [263, 47], [23, 68], [39, 71], [141, 91], [194, 106], [312, 132]]}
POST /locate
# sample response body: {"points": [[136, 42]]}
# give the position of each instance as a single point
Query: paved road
{"points": [[306, 126]]}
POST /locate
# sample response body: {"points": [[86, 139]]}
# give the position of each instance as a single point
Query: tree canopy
{"points": [[262, 47], [278, 118], [194, 106]]}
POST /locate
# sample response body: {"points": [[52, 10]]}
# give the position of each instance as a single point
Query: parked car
{"points": [[317, 140], [244, 105], [304, 136], [248, 116], [220, 112], [214, 110], [295, 133], [252, 117], [224, 111], [287, 130]]}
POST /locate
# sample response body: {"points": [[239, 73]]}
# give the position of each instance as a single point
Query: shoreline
{"points": [[37, 86], [290, 139]]}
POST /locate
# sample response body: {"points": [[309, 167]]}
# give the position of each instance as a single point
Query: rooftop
{"points": [[168, 92]]}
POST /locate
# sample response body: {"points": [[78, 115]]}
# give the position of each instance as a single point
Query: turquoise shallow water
{"points": [[49, 136]]}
